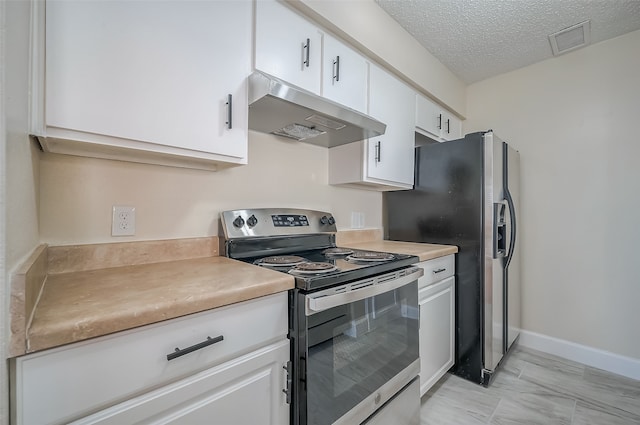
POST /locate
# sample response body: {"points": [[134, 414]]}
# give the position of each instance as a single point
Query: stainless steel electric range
{"points": [[353, 317]]}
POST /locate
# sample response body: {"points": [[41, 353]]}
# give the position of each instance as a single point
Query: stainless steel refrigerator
{"points": [[466, 193]]}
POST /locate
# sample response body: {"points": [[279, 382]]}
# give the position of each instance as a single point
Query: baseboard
{"points": [[611, 362]]}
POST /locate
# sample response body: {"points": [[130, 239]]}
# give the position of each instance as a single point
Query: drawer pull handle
{"points": [[438, 271], [307, 49], [229, 104], [179, 352]]}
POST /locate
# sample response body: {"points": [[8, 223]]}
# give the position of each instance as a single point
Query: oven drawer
{"points": [[436, 270], [62, 384]]}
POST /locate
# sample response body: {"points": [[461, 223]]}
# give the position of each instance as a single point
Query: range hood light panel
{"points": [[326, 122], [298, 132]]}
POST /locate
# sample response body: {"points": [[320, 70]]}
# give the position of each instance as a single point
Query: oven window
{"points": [[356, 348]]}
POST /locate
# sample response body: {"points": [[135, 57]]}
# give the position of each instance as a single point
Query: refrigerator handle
{"points": [[512, 216]]}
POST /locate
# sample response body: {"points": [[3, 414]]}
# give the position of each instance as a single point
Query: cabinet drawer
{"points": [[65, 383], [436, 269], [218, 395]]}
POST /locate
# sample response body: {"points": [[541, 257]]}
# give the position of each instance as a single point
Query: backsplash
{"points": [[77, 194]]}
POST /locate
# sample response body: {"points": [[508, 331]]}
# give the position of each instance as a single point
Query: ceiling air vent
{"points": [[571, 38]]}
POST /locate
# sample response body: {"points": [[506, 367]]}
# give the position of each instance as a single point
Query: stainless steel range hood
{"points": [[279, 108]]}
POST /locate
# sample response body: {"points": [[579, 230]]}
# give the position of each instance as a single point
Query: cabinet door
{"points": [[434, 121], [243, 391], [344, 75], [157, 72], [428, 116], [451, 126], [287, 45], [437, 325], [390, 157]]}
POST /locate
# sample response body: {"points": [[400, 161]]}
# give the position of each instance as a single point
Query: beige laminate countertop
{"points": [[77, 304], [80, 305], [424, 251]]}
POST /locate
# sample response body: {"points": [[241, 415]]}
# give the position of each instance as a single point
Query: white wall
{"points": [[574, 120], [19, 165], [77, 193]]}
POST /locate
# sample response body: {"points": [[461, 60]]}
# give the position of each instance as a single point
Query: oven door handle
{"points": [[318, 301]]}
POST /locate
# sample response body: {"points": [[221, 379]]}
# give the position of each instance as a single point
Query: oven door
{"points": [[361, 347]]}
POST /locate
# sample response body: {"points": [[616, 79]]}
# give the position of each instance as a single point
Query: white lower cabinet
{"points": [[436, 298], [127, 377], [244, 391]]}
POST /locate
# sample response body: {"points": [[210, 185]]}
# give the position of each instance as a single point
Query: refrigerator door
{"points": [[494, 205], [446, 207], [512, 261]]}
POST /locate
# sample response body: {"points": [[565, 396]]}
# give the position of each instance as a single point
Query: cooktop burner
{"points": [[312, 269], [370, 256], [337, 252], [322, 267], [280, 261]]}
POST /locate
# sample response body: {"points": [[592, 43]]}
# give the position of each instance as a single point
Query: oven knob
{"points": [[324, 219], [332, 221], [252, 221], [238, 222]]}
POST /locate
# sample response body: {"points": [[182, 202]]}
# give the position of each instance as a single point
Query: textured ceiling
{"points": [[477, 39]]}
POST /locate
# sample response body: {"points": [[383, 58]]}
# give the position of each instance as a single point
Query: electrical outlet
{"points": [[124, 221]]}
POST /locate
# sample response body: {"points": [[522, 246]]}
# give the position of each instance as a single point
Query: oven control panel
{"points": [[289, 220], [275, 222]]}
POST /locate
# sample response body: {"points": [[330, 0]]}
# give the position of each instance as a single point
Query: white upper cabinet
{"points": [[287, 46], [384, 162], [451, 126], [434, 121], [293, 49], [157, 82], [391, 156], [344, 74], [428, 116]]}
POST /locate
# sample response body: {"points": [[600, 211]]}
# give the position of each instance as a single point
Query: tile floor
{"points": [[535, 388]]}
